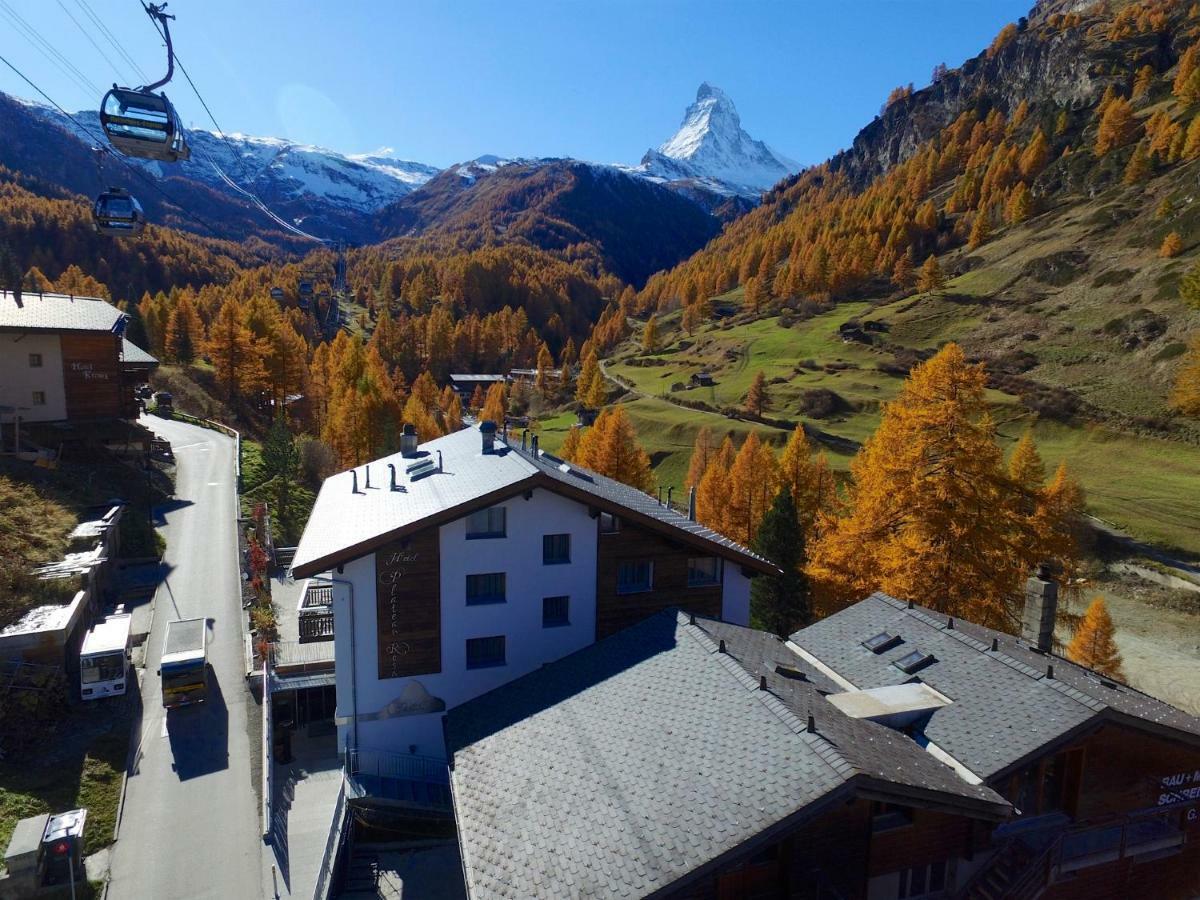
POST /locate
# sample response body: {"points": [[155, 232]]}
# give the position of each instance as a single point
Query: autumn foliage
{"points": [[1094, 644]]}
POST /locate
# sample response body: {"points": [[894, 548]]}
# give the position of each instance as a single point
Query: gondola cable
{"points": [[112, 39], [89, 37], [39, 43], [150, 181], [258, 203]]}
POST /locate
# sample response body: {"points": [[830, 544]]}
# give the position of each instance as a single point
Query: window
{"points": [[555, 611], [35, 360], [880, 642], [485, 652], [922, 881], [39, 398], [634, 576], [556, 549], [487, 588], [486, 523], [913, 661], [609, 524], [886, 816], [703, 571]]}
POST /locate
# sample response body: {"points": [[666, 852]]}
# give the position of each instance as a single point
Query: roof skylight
{"points": [[880, 642], [913, 661]]}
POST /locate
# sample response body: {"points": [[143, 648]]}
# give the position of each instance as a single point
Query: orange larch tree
{"points": [[1094, 644]]}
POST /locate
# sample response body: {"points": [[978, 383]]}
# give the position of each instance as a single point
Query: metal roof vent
{"points": [[420, 467], [487, 429], [913, 661], [881, 642]]}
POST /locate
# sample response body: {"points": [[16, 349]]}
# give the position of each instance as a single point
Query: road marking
{"points": [[164, 727], [191, 446], [215, 483]]}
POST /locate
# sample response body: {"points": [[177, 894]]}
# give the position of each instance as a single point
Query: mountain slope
{"points": [[1048, 228], [633, 226]]}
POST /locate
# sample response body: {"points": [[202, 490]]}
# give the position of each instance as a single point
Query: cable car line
{"points": [[236, 156], [88, 35], [141, 174], [39, 43], [111, 38]]}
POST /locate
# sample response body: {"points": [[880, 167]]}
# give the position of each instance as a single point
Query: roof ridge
{"points": [[821, 745]]}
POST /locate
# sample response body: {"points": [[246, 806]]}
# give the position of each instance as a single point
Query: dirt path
{"points": [[1160, 647]]}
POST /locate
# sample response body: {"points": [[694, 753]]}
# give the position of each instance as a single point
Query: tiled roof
{"points": [[56, 312], [345, 525], [1005, 707], [637, 761]]}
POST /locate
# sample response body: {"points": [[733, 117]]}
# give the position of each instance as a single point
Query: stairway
{"points": [[1012, 874], [362, 875]]}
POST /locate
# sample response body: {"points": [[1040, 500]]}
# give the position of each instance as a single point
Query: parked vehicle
{"points": [[184, 665], [104, 658]]}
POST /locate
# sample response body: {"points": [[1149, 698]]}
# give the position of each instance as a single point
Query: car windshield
{"points": [[110, 667]]}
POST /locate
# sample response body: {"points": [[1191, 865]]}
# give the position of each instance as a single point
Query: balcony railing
{"points": [[315, 626]]}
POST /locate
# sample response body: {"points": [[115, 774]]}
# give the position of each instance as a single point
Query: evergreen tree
{"points": [[930, 279], [1020, 204], [1094, 644], [281, 463], [931, 515], [703, 450], [810, 481], [184, 331], [1189, 286], [780, 603], [650, 335], [1185, 395], [135, 326], [758, 400], [495, 405], [753, 483], [1171, 246], [611, 448], [1118, 126]]}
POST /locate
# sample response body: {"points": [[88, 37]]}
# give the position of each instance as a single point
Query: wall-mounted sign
{"points": [[408, 606], [1182, 787]]}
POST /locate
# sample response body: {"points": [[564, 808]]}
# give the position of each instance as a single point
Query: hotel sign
{"points": [[1183, 787], [408, 606]]}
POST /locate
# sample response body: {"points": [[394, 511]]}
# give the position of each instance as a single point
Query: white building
{"points": [[464, 563]]}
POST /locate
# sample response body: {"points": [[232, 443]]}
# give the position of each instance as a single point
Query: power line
{"points": [[39, 43], [101, 144], [91, 40], [111, 38]]}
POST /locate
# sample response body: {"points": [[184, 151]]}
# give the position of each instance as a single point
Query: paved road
{"points": [[190, 825]]}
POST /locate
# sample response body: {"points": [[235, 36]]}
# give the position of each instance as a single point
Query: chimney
{"points": [[487, 429], [408, 440], [533, 446], [440, 469], [670, 490], [367, 469], [354, 481], [1041, 606], [692, 503]]}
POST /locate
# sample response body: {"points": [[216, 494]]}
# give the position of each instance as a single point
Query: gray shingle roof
{"points": [[1004, 707], [56, 312], [132, 353], [624, 767], [345, 525]]}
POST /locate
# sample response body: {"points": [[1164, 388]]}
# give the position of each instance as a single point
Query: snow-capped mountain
{"points": [[304, 177], [712, 150]]}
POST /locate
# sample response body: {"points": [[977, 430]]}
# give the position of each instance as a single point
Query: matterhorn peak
{"points": [[711, 146]]}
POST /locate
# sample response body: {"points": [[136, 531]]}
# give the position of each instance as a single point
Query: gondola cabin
{"points": [[277, 294], [306, 293], [143, 124], [116, 212]]}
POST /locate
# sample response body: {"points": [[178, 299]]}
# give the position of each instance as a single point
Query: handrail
{"points": [[267, 758], [333, 842]]}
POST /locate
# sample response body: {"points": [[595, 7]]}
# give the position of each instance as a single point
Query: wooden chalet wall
{"points": [[670, 588], [408, 606], [92, 378]]}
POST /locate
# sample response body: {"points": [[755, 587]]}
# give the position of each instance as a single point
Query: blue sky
{"points": [[442, 82]]}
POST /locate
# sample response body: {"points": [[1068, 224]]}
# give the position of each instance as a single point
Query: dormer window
{"points": [[880, 642]]}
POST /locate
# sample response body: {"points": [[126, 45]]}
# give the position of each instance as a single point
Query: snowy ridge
{"points": [[711, 149], [277, 168]]}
